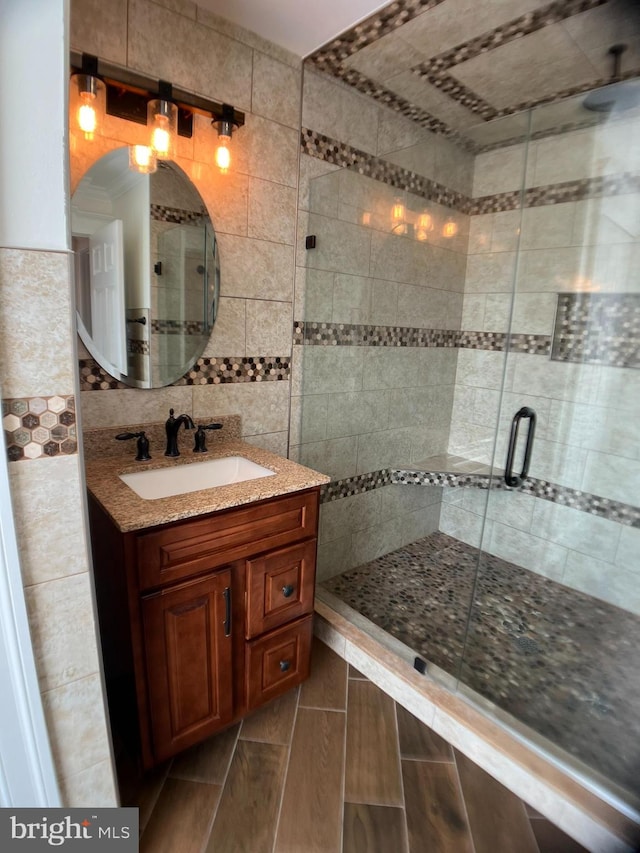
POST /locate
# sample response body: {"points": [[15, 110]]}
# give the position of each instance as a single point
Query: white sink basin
{"points": [[181, 479]]}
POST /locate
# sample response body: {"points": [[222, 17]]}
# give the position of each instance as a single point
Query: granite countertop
{"points": [[131, 512]]}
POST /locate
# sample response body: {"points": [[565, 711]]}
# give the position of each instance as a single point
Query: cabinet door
{"points": [[187, 635]]}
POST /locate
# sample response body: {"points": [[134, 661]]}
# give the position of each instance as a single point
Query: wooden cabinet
{"points": [[205, 619]]}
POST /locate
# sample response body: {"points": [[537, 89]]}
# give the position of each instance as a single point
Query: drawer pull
{"points": [[227, 611], [284, 665], [287, 590]]}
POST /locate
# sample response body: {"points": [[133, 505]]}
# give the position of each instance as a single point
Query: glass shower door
{"points": [[554, 629]]}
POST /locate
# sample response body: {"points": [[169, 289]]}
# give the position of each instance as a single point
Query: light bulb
{"points": [[223, 155], [92, 97], [142, 158], [398, 212], [162, 118], [423, 226], [87, 118], [450, 228]]}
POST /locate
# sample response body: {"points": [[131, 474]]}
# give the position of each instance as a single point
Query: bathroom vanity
{"points": [[205, 599]]}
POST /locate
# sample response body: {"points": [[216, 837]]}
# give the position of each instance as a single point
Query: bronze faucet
{"points": [[172, 426]]}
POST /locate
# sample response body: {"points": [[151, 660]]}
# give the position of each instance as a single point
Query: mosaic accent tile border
{"points": [[164, 213], [331, 58], [138, 347], [622, 513], [340, 154], [366, 32], [356, 485], [35, 427], [436, 69], [177, 327], [598, 328], [206, 371], [310, 333], [561, 193], [219, 371]]}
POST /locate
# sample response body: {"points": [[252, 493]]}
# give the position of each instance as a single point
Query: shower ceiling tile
{"points": [[597, 29], [421, 93], [531, 67], [455, 21], [385, 57]]}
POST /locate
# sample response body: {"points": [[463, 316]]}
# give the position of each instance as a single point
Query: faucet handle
{"points": [[200, 445], [142, 444]]}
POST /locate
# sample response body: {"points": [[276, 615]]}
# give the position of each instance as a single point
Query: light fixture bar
{"points": [[128, 92]]}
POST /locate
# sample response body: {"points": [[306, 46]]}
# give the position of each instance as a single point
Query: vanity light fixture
{"points": [[225, 124], [168, 110], [162, 120], [91, 95]]}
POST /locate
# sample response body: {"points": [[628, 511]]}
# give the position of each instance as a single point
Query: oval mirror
{"points": [[147, 270]]}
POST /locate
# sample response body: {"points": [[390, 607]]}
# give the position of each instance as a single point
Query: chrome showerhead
{"points": [[620, 94]]}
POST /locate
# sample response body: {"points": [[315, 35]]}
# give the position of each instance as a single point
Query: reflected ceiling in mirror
{"points": [[147, 270]]}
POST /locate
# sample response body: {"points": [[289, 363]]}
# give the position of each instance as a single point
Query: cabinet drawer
{"points": [[278, 661], [280, 587], [188, 548]]}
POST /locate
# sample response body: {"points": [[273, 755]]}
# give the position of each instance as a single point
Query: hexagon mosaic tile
{"points": [[39, 426]]}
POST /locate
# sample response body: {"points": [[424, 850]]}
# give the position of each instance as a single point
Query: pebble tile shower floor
{"points": [[335, 766], [560, 661]]}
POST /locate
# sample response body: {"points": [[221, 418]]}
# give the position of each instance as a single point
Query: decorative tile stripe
{"points": [[355, 485], [604, 186], [138, 347], [39, 426], [584, 501], [164, 213], [366, 32], [598, 328], [206, 371], [219, 371], [340, 154], [350, 334], [177, 327]]}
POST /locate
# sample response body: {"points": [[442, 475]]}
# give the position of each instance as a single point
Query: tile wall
{"points": [[577, 260], [39, 390], [370, 387], [253, 207]]}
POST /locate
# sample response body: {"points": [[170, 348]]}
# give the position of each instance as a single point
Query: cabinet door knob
{"points": [[287, 590], [284, 665]]}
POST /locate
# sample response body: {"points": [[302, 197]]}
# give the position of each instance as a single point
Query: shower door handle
{"points": [[510, 478]]}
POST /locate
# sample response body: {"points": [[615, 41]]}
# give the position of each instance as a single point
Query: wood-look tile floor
{"points": [[335, 766]]}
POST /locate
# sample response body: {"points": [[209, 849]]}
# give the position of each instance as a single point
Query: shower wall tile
{"points": [[562, 381], [599, 428], [310, 190], [340, 518], [615, 477], [335, 369], [534, 313], [499, 171], [375, 541], [341, 247], [527, 550], [336, 457], [578, 531], [603, 580], [491, 272], [462, 524], [356, 412], [333, 558], [628, 548], [309, 418], [328, 107], [383, 449]]}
